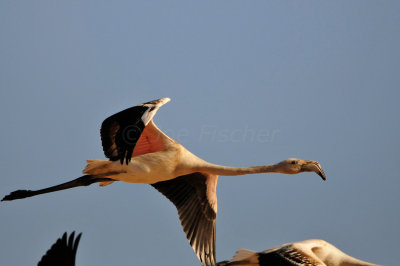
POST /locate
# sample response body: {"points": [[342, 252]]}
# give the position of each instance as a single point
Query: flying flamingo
{"points": [[139, 152], [312, 252]]}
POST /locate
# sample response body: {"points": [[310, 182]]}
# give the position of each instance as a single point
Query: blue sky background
{"points": [[251, 82]]}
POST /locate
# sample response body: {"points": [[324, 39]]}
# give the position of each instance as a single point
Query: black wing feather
{"points": [[285, 256], [198, 218], [63, 252], [120, 133]]}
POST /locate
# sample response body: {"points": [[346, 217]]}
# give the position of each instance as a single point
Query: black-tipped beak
{"points": [[322, 175], [313, 166]]}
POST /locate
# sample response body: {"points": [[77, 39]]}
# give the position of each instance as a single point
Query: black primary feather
{"points": [[63, 252]]}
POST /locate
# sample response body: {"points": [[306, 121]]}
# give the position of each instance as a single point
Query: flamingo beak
{"points": [[313, 166]]}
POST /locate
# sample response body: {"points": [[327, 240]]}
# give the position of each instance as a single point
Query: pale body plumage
{"points": [[148, 168]]}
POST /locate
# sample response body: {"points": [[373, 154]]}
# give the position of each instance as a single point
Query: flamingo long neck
{"points": [[234, 171], [350, 261], [331, 255]]}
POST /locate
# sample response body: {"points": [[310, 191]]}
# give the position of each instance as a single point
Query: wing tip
{"points": [[158, 102]]}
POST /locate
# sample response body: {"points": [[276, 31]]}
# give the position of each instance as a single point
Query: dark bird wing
{"points": [[287, 255], [195, 198], [63, 252], [284, 255], [121, 131]]}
